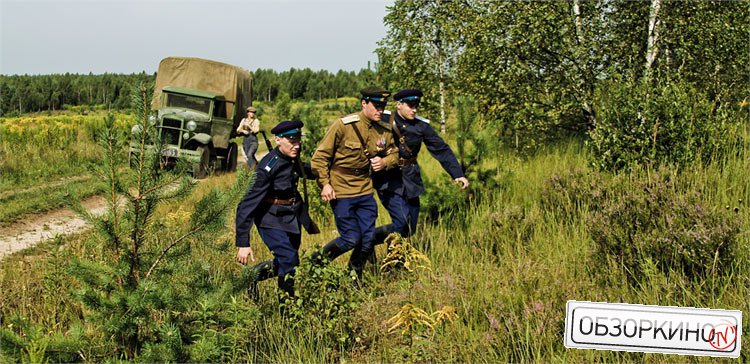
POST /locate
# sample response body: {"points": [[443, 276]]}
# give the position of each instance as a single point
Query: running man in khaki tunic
{"points": [[354, 147]]}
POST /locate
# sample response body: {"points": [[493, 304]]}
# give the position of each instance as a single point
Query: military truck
{"points": [[199, 104]]}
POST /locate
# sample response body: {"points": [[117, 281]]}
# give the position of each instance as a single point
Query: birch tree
{"points": [[421, 45], [652, 47], [533, 66]]}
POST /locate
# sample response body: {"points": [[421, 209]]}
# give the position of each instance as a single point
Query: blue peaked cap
{"points": [[408, 94], [287, 127]]}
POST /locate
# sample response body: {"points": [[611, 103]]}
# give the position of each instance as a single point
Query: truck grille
{"points": [[172, 123], [170, 136], [170, 131]]}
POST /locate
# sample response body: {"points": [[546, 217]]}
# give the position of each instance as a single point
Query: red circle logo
{"points": [[723, 335]]}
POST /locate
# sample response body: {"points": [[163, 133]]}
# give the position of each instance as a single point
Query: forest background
{"points": [[607, 144]]}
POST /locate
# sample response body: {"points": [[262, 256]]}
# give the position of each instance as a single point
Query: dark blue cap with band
{"points": [[288, 128], [409, 94]]}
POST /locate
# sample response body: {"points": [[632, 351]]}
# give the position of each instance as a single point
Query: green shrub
{"points": [[473, 137], [646, 218], [315, 127], [283, 106], [672, 123], [325, 304], [474, 143], [443, 201]]}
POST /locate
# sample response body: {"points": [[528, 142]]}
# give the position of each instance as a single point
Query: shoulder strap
{"points": [[384, 125], [401, 138], [271, 163], [362, 141], [350, 118]]}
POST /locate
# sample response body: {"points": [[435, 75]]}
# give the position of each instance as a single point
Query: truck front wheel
{"points": [[200, 170], [231, 161]]}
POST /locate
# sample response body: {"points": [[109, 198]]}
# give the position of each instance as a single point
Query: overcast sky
{"points": [[127, 36]]}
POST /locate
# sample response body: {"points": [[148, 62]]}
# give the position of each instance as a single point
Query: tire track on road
{"points": [[29, 232]]}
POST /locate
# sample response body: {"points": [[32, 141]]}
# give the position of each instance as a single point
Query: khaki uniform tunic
{"points": [[341, 147]]}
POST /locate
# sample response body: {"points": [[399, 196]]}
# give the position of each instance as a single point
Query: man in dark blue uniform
{"points": [[399, 189], [275, 206]]}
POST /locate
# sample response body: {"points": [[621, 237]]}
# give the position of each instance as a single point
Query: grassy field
{"points": [[45, 157], [503, 262]]}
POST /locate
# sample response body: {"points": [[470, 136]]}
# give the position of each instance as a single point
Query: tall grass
{"points": [[508, 263], [40, 148], [42, 157]]}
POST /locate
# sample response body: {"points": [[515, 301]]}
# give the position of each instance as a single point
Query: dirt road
{"points": [[34, 229], [37, 228]]}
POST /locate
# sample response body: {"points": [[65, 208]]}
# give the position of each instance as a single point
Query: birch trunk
{"points": [[578, 21], [652, 47], [441, 81], [442, 106], [580, 51]]}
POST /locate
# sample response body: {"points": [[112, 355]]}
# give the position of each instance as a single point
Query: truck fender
{"points": [[202, 138]]}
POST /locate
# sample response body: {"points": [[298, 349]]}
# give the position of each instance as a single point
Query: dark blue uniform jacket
{"points": [[276, 177], [407, 180]]}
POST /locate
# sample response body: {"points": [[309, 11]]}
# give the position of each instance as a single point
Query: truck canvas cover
{"points": [[233, 82]]}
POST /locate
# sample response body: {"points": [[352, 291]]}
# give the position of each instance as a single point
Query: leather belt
{"points": [[352, 171], [279, 201], [406, 161]]}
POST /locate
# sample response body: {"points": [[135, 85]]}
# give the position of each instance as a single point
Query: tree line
{"points": [[21, 94], [306, 84]]}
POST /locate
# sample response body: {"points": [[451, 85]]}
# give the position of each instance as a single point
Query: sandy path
{"points": [[37, 228]]}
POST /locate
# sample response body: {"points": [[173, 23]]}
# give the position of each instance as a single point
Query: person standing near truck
{"points": [[249, 128]]}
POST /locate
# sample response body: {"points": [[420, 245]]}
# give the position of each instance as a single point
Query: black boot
{"points": [[263, 270], [266, 270], [286, 292], [357, 262], [381, 233], [286, 287], [328, 253]]}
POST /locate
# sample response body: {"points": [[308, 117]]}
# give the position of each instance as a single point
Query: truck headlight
{"points": [[191, 125], [152, 119], [136, 129]]}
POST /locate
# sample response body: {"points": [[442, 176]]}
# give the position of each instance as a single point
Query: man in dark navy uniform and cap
{"points": [[399, 189], [275, 206], [354, 146]]}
